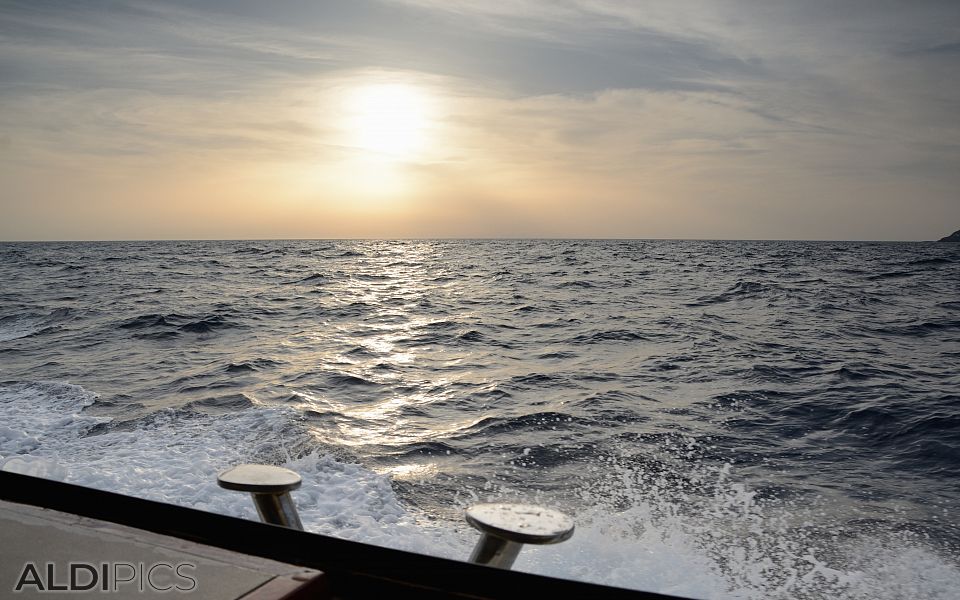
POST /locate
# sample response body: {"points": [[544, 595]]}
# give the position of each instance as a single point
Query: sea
{"points": [[722, 419]]}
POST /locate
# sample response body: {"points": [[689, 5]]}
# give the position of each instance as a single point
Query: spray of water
{"points": [[691, 529]]}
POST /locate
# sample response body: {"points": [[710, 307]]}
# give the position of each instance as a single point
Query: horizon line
{"points": [[437, 239]]}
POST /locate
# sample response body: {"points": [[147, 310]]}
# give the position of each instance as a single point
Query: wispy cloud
{"points": [[700, 118]]}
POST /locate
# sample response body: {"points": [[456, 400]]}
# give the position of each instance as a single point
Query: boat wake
{"points": [[641, 528]]}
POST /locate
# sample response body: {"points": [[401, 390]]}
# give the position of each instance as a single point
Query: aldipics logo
{"points": [[106, 577]]}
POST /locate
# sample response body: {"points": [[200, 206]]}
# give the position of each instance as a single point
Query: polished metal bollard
{"points": [[505, 528], [270, 487]]}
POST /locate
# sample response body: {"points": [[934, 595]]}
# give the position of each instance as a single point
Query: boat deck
{"points": [[99, 556]]}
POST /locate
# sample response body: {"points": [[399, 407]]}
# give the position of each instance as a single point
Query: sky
{"points": [[711, 119]]}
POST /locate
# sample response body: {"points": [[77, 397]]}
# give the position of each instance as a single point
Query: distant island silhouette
{"points": [[953, 237]]}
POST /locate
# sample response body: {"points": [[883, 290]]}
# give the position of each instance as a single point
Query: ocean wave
{"points": [[558, 323], [151, 320], [780, 373], [220, 404], [612, 335], [157, 335], [315, 278], [346, 311], [922, 329], [538, 381], [740, 290], [541, 421], [208, 324], [892, 275], [485, 394], [255, 365], [338, 380], [862, 372], [257, 250], [421, 449], [557, 355], [527, 309], [14, 327], [935, 261]]}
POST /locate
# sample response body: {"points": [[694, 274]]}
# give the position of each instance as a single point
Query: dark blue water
{"points": [[781, 418]]}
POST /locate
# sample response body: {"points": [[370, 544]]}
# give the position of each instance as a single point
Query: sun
{"points": [[388, 119]]}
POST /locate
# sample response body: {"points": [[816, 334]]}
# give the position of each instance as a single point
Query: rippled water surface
{"points": [[725, 419]]}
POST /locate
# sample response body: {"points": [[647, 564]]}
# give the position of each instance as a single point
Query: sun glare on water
{"points": [[389, 119]]}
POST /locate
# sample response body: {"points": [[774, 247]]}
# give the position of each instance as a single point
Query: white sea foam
{"points": [[733, 549], [175, 456]]}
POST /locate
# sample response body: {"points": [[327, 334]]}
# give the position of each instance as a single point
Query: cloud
{"points": [[593, 117]]}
